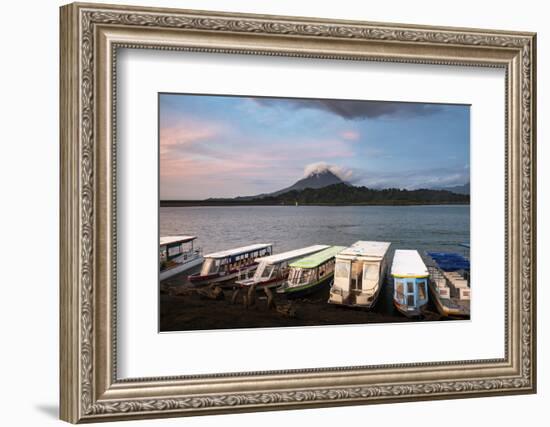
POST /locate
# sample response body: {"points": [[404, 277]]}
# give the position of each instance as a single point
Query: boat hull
{"points": [[180, 268], [220, 279], [302, 291], [404, 309], [351, 300], [443, 309]]}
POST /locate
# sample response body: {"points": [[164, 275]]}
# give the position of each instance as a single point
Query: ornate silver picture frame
{"points": [[91, 34]]}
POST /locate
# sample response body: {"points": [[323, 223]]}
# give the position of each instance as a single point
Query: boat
{"points": [[273, 270], [177, 254], [224, 266], [410, 282], [449, 283], [359, 274], [310, 274]]}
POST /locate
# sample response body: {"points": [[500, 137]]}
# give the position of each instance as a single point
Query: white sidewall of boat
{"points": [[180, 268]]}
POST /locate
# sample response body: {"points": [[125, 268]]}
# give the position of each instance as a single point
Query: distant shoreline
{"points": [[196, 203]]}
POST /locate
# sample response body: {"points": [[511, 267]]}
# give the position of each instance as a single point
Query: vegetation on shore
{"points": [[338, 195]]}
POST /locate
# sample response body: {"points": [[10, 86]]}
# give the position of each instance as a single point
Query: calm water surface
{"points": [[439, 228]]}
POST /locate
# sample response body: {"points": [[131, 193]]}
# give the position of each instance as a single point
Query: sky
{"points": [[228, 146]]}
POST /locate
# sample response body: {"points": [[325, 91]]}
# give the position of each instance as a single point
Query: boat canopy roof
{"points": [[408, 263], [169, 240], [317, 259], [365, 250], [449, 261], [285, 256], [239, 251]]}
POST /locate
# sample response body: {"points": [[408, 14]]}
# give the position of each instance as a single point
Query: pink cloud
{"points": [[239, 164], [350, 135], [186, 133]]}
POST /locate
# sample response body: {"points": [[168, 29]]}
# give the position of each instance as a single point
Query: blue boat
{"points": [[449, 283], [410, 278]]}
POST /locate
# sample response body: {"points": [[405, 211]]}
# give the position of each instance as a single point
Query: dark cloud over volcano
{"points": [[354, 109]]}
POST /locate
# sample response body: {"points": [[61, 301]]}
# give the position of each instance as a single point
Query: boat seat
{"points": [[464, 294], [460, 284], [444, 292]]}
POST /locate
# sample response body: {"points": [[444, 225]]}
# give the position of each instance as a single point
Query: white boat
{"points": [[410, 282], [359, 274], [224, 266], [177, 254], [273, 270]]}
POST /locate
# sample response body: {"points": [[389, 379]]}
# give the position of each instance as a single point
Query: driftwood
{"points": [[179, 291], [287, 310], [235, 295], [270, 302], [251, 296]]}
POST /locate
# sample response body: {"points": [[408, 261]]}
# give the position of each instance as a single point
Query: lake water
{"points": [[434, 228]]}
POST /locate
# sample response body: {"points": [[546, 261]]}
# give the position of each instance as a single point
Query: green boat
{"points": [[311, 273]]}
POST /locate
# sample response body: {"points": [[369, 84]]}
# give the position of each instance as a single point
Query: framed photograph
{"points": [[266, 212], [297, 175]]}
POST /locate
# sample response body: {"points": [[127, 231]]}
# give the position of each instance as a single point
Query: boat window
{"points": [[399, 296], [410, 287], [264, 271], [342, 270], [370, 272], [294, 275], [267, 271], [301, 276], [422, 289], [174, 250], [307, 276]]}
